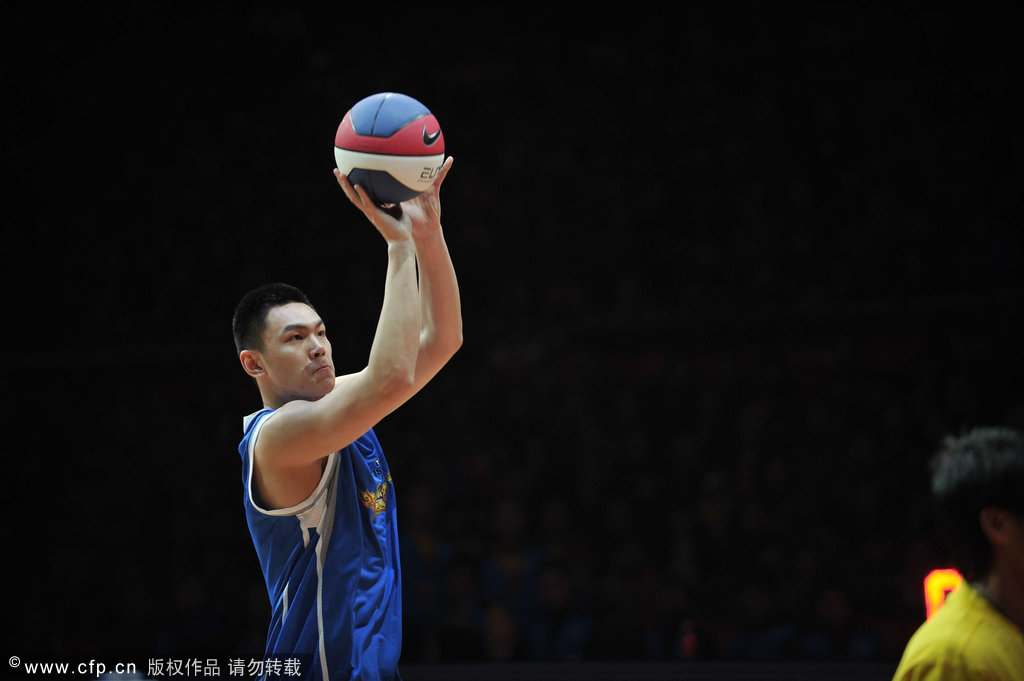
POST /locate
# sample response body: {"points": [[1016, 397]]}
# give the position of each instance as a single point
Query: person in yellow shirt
{"points": [[978, 487]]}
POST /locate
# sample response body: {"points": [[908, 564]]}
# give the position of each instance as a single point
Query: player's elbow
{"points": [[444, 344], [455, 342], [395, 382]]}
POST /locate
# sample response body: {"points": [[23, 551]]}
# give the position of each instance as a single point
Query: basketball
{"points": [[390, 145]]}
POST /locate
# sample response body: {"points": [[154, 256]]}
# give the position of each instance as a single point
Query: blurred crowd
{"points": [[741, 501]]}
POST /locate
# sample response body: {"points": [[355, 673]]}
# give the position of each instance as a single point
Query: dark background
{"points": [[729, 275]]}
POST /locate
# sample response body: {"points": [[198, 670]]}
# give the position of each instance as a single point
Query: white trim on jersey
{"points": [[306, 506], [310, 515], [325, 527]]}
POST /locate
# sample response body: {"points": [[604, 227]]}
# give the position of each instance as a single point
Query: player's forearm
{"points": [[392, 362], [440, 302]]}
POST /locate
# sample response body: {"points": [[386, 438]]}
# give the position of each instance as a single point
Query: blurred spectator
{"points": [[561, 629]]}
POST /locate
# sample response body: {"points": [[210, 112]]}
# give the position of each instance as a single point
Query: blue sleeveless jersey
{"points": [[331, 566]]}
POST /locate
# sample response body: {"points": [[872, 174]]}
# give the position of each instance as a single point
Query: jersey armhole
{"points": [[298, 508]]}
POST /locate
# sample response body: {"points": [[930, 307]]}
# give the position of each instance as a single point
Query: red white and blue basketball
{"points": [[390, 145]]}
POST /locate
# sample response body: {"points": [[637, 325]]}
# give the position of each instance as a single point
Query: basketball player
{"points": [[978, 485], [319, 497]]}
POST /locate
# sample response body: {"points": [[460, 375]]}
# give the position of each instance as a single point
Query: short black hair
{"points": [[980, 469], [250, 318]]}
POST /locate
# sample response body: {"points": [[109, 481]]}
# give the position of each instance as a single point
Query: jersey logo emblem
{"points": [[376, 501]]}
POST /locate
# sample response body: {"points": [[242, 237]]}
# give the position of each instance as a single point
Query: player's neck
{"points": [[271, 402], [271, 398], [1004, 593]]}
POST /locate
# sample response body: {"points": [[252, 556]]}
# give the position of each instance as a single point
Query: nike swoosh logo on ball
{"points": [[429, 139]]}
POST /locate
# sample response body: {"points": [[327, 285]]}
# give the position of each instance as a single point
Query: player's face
{"points": [[296, 353]]}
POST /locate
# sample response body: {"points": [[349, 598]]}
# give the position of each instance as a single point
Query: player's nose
{"points": [[317, 346]]}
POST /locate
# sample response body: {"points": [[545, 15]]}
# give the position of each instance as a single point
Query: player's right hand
{"points": [[393, 224]]}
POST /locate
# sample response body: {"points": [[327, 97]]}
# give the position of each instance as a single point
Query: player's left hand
{"points": [[424, 210]]}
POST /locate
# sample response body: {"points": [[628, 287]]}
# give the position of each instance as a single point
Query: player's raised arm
{"points": [[440, 303], [304, 430]]}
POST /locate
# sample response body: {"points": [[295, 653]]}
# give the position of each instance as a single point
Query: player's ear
{"points": [[252, 363], [995, 524]]}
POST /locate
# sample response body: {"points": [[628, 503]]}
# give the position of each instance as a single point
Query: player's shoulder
{"points": [[251, 420], [964, 639]]}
